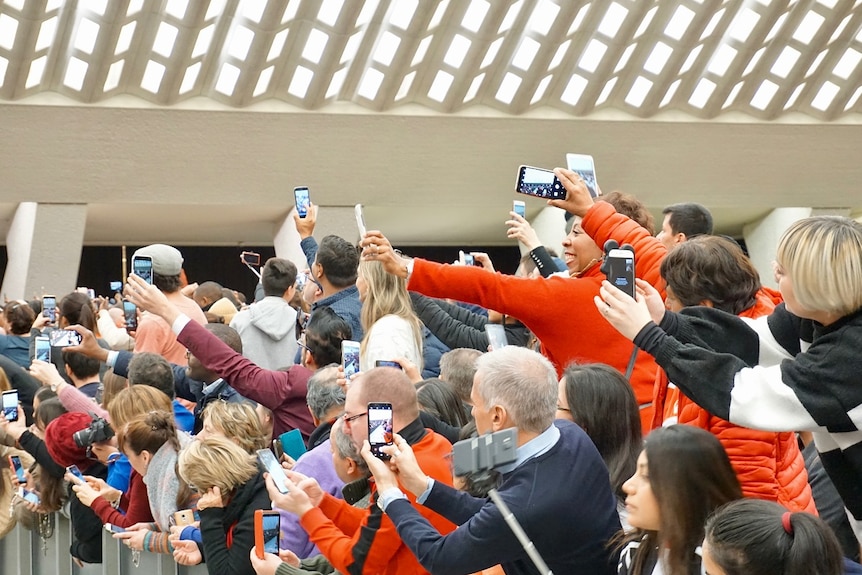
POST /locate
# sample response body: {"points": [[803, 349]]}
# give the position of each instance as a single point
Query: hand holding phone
{"points": [[29, 496], [519, 208], [64, 338], [380, 428], [42, 348], [76, 473], [142, 266], [111, 528], [17, 468], [350, 358], [621, 270], [130, 314], [274, 468], [584, 166], [10, 405], [267, 529], [49, 307], [539, 182], [303, 201]]}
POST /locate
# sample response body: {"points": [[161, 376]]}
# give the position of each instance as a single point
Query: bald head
{"points": [[387, 385], [207, 293]]}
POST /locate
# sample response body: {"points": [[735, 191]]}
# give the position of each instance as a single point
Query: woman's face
{"points": [[563, 411], [641, 503], [140, 461], [785, 286], [209, 430]]}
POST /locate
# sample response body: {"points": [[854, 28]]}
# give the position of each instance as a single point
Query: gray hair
{"points": [[523, 382], [457, 368], [323, 392], [345, 448]]}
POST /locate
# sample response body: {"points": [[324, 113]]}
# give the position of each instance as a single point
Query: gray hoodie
{"points": [[268, 332]]}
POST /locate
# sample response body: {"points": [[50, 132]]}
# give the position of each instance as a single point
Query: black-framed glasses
{"points": [[348, 419], [301, 343]]}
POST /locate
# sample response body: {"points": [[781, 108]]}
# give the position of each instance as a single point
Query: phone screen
{"points": [[584, 166], [360, 219], [116, 286], [49, 308], [519, 208], [350, 358], [251, 258], [385, 363], [496, 336], [274, 468], [10, 405], [64, 338], [466, 259], [42, 348], [271, 530], [379, 427], [28, 495], [621, 270], [130, 313], [73, 469], [302, 201], [142, 266], [539, 182], [18, 468], [114, 528]]}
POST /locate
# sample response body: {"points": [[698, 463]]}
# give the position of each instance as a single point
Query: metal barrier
{"points": [[21, 553]]}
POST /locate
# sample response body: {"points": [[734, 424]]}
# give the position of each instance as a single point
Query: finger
{"points": [[400, 442]]}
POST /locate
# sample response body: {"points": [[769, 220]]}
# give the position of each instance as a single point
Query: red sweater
{"points": [[560, 311], [138, 506]]}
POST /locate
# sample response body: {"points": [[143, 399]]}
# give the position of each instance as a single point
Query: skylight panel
{"points": [[329, 11], [753, 62], [624, 59], [227, 79], [794, 96], [743, 24], [402, 15], [370, 84], [240, 42], [511, 16], [47, 32], [606, 91], [190, 78], [300, 82], [421, 50], [215, 9], [202, 44], [368, 9], [438, 14], [124, 40], [336, 83], [115, 73], [351, 47], [543, 17], [828, 3], [713, 22], [560, 54], [785, 62], [850, 103], [440, 86], [574, 90], [277, 45], [135, 6], [86, 35], [690, 60], [825, 96], [290, 10], [526, 53], [177, 8], [406, 84], [658, 58], [386, 48], [809, 26], [52, 5], [97, 6], [671, 92], [508, 88], [474, 87], [457, 51], [475, 15], [647, 20], [541, 88], [37, 69], [492, 52], [315, 45], [679, 22], [76, 71], [166, 37], [16, 4], [721, 60], [263, 81], [613, 20], [153, 74], [252, 9], [4, 64], [847, 64], [592, 56], [764, 94], [702, 93], [816, 63], [579, 19], [731, 98], [840, 28], [639, 91]]}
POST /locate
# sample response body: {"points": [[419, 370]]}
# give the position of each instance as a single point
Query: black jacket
{"points": [[86, 525]]}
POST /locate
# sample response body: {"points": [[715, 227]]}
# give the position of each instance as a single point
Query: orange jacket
{"points": [[768, 465]]}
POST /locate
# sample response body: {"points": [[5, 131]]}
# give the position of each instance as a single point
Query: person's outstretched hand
{"points": [[628, 316], [88, 346], [376, 248], [521, 230], [578, 200], [149, 298], [305, 226]]}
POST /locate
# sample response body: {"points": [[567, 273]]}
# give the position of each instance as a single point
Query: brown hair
{"points": [[19, 317], [113, 384], [135, 401], [711, 268], [628, 205], [238, 422]]}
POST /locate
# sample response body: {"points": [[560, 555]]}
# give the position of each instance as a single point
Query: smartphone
{"points": [[73, 470], [17, 467], [267, 528], [111, 528], [130, 313], [184, 517], [91, 293], [360, 220], [379, 427], [42, 348], [301, 278], [28, 495], [10, 405], [274, 468], [250, 258], [300, 195], [540, 183], [292, 444], [142, 266], [385, 363], [496, 336], [116, 287], [64, 338], [350, 358], [519, 208], [466, 259], [621, 270], [584, 166], [49, 307]]}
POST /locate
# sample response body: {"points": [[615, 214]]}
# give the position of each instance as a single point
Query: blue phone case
{"points": [[292, 444]]}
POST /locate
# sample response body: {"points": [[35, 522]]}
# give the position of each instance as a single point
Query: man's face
{"points": [[355, 413], [480, 411], [196, 370], [666, 235], [340, 463]]}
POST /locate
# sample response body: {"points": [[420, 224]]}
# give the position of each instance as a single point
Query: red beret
{"points": [[61, 446]]}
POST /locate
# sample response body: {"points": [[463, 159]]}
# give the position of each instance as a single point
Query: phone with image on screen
{"points": [[49, 307], [64, 338], [539, 182], [17, 468], [621, 270], [273, 467], [302, 199], [466, 258], [42, 348], [28, 495], [130, 314], [10, 405], [350, 358], [76, 473], [111, 528], [379, 428], [360, 220], [116, 287], [496, 336], [585, 167], [387, 363], [142, 266], [267, 529], [519, 208]]}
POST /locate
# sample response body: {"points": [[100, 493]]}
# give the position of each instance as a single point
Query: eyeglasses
{"points": [[301, 343], [348, 419], [561, 408]]}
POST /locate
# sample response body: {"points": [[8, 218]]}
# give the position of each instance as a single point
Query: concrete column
{"points": [[550, 226], [331, 220], [44, 249]]}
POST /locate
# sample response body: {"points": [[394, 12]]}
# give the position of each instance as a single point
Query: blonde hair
{"points": [[135, 401], [822, 255], [216, 462], [4, 381], [238, 422], [386, 295]]}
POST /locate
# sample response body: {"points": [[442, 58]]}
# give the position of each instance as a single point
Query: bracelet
{"points": [[147, 537]]}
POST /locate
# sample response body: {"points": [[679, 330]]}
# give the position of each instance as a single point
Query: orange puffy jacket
{"points": [[768, 465]]}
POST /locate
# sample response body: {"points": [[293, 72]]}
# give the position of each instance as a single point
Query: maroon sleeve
{"points": [[139, 506]]}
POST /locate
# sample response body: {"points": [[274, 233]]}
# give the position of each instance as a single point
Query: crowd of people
{"points": [[708, 425]]}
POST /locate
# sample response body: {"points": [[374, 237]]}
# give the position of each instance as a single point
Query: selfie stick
{"points": [[519, 532], [254, 271]]}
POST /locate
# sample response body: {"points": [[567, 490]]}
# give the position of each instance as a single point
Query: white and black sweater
{"points": [[775, 373]]}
